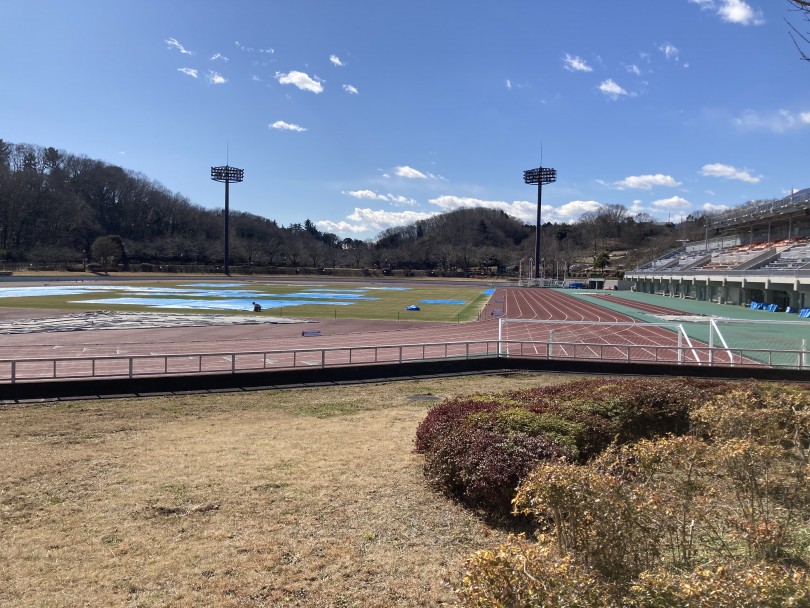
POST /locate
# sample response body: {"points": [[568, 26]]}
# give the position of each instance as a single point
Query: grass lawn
{"points": [[306, 497], [372, 300]]}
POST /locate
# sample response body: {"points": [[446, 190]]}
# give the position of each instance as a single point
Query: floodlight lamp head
{"points": [[227, 174], [541, 175]]}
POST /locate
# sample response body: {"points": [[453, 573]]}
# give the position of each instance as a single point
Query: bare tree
{"points": [[799, 39]]}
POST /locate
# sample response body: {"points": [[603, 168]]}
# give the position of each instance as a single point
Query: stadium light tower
{"points": [[227, 174], [539, 176]]}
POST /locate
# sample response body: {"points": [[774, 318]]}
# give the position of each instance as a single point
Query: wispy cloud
{"points": [[336, 61], [351, 90], [647, 182], [612, 90], [250, 49], [670, 51], [189, 72], [410, 172], [780, 121], [575, 64], [303, 81], [280, 125], [220, 57], [215, 78], [173, 44], [730, 172], [634, 69], [394, 199], [732, 11]]}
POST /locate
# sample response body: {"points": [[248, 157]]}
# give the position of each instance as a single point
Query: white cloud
{"points": [[410, 172], [674, 202], [189, 72], [670, 51], [612, 90], [646, 182], [301, 80], [216, 56], [365, 220], [780, 121], [575, 64], [569, 212], [508, 84], [634, 69], [173, 44], [394, 199], [732, 11], [336, 61], [525, 211], [280, 125], [350, 89], [365, 194], [712, 208], [729, 172], [522, 210], [215, 78]]}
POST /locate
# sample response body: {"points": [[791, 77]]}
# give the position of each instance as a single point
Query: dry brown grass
{"points": [[308, 497]]}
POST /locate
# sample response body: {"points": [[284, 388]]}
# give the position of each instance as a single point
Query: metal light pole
{"points": [[227, 174], [539, 176]]}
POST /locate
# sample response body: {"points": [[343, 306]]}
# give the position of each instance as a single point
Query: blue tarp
{"points": [[443, 302]]}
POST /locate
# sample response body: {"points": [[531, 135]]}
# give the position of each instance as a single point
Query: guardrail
{"points": [[132, 366]]}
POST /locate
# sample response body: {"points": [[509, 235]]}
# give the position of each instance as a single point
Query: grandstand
{"points": [[753, 254]]}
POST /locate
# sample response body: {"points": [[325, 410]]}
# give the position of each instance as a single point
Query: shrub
{"points": [[717, 585], [594, 517], [484, 468], [519, 574], [711, 519], [480, 448]]}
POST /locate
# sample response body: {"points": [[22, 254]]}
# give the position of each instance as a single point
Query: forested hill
{"points": [[54, 206]]}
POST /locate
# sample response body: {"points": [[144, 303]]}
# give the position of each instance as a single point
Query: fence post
{"points": [[13, 372]]}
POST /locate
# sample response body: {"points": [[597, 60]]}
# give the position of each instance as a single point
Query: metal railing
{"points": [[133, 366]]}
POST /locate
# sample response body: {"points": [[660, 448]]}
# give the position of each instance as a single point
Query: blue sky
{"points": [[365, 114]]}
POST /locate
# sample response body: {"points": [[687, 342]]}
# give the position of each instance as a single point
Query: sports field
{"points": [[311, 300], [337, 316]]}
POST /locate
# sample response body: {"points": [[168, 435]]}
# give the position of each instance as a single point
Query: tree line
{"points": [[60, 207]]}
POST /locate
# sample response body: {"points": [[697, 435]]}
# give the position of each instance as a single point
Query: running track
{"points": [[516, 303]]}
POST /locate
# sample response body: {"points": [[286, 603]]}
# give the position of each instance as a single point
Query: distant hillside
{"points": [[55, 205]]}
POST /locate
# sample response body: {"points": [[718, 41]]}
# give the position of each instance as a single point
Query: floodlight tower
{"points": [[539, 176], [227, 174]]}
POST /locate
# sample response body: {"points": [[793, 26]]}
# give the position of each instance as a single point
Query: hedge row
{"points": [[716, 517], [479, 448]]}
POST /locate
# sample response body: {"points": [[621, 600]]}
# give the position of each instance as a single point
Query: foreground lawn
{"points": [[307, 497]]}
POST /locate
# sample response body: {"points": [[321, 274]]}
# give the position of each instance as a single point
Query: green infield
{"points": [[312, 300]]}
